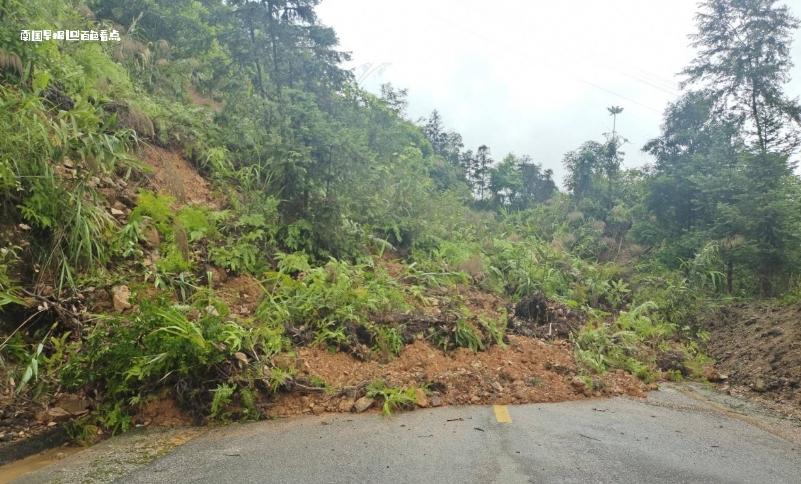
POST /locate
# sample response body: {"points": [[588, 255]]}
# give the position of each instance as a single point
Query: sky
{"points": [[528, 77]]}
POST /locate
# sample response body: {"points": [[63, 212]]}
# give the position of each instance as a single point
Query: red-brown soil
{"points": [[173, 174], [241, 293], [529, 370], [162, 412]]}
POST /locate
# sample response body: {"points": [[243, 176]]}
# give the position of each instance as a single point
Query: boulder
{"points": [[363, 404], [120, 298]]}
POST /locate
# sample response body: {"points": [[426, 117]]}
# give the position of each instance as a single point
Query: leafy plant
{"points": [[392, 398], [467, 336], [222, 399]]}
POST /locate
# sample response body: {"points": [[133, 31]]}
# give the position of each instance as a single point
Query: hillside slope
{"points": [[210, 220], [758, 348]]}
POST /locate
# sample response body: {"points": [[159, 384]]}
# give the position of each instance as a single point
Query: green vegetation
{"points": [[360, 229], [392, 398]]}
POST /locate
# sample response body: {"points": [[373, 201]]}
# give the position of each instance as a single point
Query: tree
{"points": [[447, 144], [480, 171], [537, 184], [744, 60], [396, 99], [518, 183], [591, 168], [614, 111], [696, 166]]}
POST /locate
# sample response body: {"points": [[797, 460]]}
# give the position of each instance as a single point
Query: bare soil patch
{"points": [[757, 348], [199, 99], [174, 174], [241, 293], [162, 412], [529, 370]]}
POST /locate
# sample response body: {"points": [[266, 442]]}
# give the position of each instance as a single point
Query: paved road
{"points": [[669, 437]]}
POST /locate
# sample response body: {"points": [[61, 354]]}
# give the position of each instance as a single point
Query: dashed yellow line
{"points": [[502, 414]]}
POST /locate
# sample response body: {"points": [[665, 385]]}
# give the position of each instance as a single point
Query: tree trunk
{"points": [[729, 276], [755, 113], [274, 41], [259, 77]]}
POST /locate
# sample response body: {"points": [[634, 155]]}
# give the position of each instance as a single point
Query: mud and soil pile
{"points": [[528, 370], [537, 316], [757, 348]]}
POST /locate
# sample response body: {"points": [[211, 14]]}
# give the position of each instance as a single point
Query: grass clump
{"points": [[392, 398], [634, 342], [330, 302], [204, 359]]}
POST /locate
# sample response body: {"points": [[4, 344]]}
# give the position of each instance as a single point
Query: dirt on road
{"points": [[528, 370]]}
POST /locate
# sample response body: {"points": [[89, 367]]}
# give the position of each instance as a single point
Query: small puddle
{"points": [[19, 468]]}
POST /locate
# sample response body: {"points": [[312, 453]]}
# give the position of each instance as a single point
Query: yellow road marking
{"points": [[502, 414]]}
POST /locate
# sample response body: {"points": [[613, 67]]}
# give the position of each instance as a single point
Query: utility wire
{"points": [[509, 48]]}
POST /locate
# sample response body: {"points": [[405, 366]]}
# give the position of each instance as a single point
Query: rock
{"points": [[475, 399], [578, 383], [120, 298], [152, 237], [421, 398], [711, 374], [497, 387], [363, 404], [57, 414], [117, 212], [760, 385], [436, 401], [74, 404], [345, 405], [673, 361], [241, 357]]}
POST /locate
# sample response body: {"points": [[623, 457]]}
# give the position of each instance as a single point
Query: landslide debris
{"points": [[757, 347], [528, 370]]}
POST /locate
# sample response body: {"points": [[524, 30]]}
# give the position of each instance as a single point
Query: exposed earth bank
{"points": [[757, 346]]}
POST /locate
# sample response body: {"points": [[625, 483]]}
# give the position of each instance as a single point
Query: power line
{"points": [[570, 73]]}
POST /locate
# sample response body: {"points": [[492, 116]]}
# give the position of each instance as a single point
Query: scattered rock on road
{"points": [[363, 404], [421, 397]]}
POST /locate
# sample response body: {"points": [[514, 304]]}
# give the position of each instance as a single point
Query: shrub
{"points": [[330, 299], [631, 342], [392, 398]]}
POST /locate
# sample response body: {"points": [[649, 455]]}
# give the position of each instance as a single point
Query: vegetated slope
{"points": [[166, 248], [440, 316], [757, 347]]}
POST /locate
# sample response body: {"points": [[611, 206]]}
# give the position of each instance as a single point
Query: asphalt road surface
{"points": [[668, 437]]}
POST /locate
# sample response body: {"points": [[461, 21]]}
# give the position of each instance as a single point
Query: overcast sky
{"points": [[529, 77]]}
